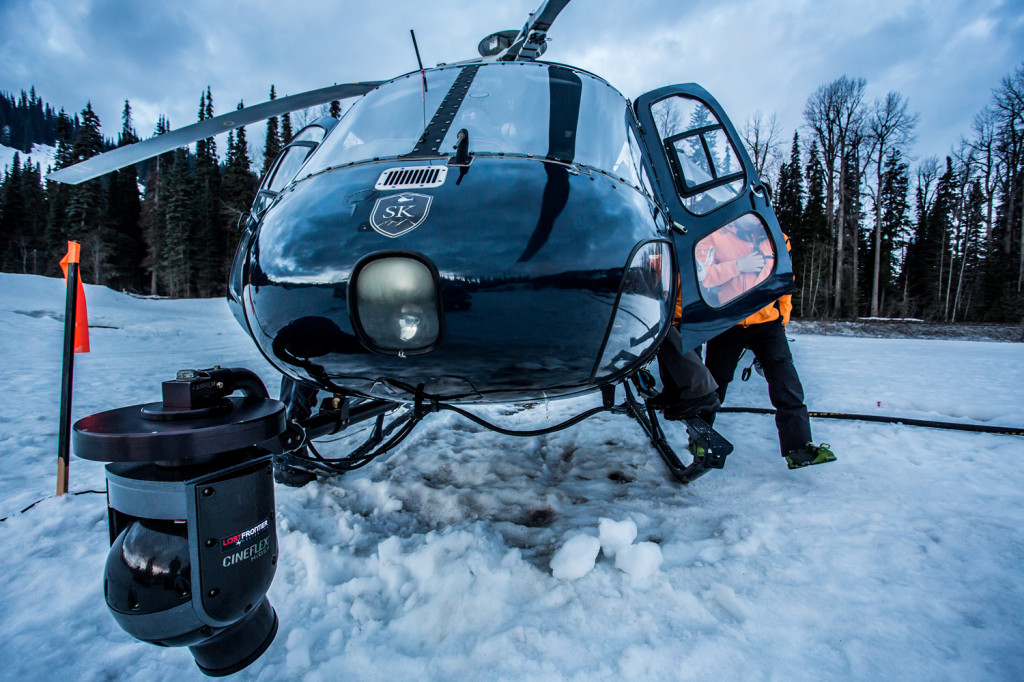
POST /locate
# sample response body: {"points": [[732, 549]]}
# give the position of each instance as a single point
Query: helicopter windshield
{"points": [[513, 109], [387, 122]]}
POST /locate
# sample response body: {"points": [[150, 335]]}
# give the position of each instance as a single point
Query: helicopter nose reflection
{"points": [[306, 338]]}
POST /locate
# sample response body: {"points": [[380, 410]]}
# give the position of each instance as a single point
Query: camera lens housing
{"points": [[190, 496]]}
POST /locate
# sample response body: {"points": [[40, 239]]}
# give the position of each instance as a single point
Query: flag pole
{"points": [[67, 374]]}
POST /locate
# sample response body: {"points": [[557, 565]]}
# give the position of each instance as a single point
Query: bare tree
{"points": [[762, 137], [987, 162], [833, 112], [888, 126], [1010, 111], [927, 175]]}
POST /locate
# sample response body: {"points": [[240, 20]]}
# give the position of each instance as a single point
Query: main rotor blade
{"points": [[121, 157], [547, 13], [529, 44]]}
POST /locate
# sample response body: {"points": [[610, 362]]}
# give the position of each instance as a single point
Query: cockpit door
{"points": [[730, 249]]}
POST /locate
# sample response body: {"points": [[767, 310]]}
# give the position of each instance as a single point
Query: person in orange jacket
{"points": [[730, 261], [740, 264], [734, 259]]}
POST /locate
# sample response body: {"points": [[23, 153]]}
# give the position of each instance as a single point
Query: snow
{"points": [[615, 535], [640, 561], [575, 558], [469, 555], [41, 154]]}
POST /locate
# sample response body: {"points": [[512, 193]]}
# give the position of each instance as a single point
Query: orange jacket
{"points": [[724, 274], [783, 306]]}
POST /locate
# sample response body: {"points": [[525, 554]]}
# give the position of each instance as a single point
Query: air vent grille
{"points": [[412, 177]]}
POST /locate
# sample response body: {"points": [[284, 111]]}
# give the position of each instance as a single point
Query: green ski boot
{"points": [[696, 450], [808, 455]]}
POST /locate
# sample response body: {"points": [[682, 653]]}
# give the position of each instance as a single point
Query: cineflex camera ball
{"points": [[190, 497]]}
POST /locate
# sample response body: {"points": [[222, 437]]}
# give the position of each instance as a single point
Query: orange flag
{"points": [[81, 315]]}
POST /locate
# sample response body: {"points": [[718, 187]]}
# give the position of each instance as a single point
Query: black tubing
{"points": [[538, 432], [954, 426], [248, 382]]}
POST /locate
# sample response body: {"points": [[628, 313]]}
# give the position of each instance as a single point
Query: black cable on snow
{"points": [[927, 423], [48, 497], [539, 432]]}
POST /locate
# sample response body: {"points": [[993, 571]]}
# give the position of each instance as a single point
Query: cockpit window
{"points": [[534, 110], [310, 134], [629, 165], [543, 111], [387, 122], [290, 163], [502, 112], [700, 151]]}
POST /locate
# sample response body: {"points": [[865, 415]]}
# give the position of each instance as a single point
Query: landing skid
{"points": [[715, 447], [335, 418]]}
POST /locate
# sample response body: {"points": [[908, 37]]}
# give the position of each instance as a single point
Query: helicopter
{"points": [[498, 230]]}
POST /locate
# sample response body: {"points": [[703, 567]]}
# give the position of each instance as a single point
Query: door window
{"points": [[703, 157], [734, 259]]}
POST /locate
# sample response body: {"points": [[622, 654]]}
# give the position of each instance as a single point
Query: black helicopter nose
{"points": [[396, 306]]}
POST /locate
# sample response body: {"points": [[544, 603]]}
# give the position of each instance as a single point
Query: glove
{"points": [[753, 262]]}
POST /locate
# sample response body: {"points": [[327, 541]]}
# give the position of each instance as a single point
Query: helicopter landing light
{"points": [[395, 304], [412, 177]]}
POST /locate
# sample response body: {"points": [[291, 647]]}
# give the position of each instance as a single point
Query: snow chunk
{"points": [[615, 535], [726, 597], [640, 560], [575, 558]]}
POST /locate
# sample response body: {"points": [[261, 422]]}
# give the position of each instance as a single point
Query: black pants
{"points": [[683, 374], [768, 341]]}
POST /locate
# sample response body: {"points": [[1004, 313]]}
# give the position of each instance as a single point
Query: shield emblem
{"points": [[397, 214]]}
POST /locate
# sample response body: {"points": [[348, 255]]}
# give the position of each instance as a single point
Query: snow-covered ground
{"points": [[41, 154], [473, 556]]}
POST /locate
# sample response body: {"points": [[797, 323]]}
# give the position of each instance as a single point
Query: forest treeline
{"points": [[874, 231]]}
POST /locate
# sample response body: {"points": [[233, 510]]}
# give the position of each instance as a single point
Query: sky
{"points": [[752, 55]]}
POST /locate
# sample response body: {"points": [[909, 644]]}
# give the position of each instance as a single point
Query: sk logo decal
{"points": [[397, 214]]}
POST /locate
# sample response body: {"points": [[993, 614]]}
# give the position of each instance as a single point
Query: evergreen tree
{"points": [[789, 206], [815, 241], [895, 227], [12, 215], [58, 196], [208, 252], [335, 110], [26, 121], [34, 254], [927, 252], [154, 216], [286, 128], [121, 216], [239, 180], [238, 190], [972, 262], [272, 147], [22, 218], [178, 221], [85, 203]]}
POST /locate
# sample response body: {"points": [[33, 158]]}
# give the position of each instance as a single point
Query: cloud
{"points": [[767, 55]]}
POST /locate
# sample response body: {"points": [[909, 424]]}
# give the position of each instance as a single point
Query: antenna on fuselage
{"points": [[418, 60], [423, 75]]}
